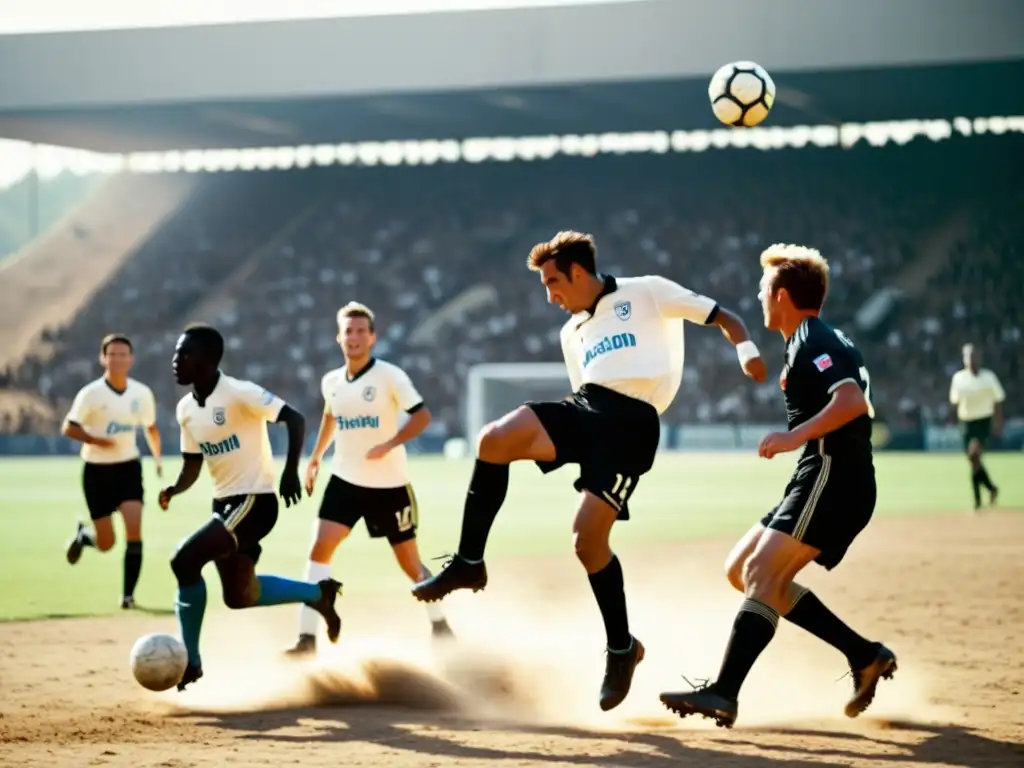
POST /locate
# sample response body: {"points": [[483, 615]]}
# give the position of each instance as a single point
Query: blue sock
{"points": [[277, 590], [190, 607]]}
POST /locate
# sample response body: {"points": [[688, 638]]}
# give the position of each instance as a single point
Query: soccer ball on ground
{"points": [[158, 661], [741, 94]]}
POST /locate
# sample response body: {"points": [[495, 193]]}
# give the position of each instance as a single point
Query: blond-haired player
{"points": [[105, 417], [978, 397], [364, 403], [827, 502]]}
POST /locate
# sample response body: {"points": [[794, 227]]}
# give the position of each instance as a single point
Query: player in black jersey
{"points": [[827, 503]]}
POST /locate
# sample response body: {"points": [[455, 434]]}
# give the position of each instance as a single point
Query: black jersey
{"points": [[819, 359]]}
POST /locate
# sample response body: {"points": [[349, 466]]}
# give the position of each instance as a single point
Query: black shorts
{"points": [[613, 438], [248, 518], [389, 512], [108, 486], [827, 503], [978, 429]]}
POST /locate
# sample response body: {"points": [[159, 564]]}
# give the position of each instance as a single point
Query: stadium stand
{"points": [[283, 250]]}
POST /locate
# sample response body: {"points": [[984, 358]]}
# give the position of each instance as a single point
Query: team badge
{"points": [[219, 417], [369, 393], [135, 406], [623, 310]]}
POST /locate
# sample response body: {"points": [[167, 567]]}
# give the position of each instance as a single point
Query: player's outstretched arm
{"points": [[290, 488], [735, 330], [191, 466]]}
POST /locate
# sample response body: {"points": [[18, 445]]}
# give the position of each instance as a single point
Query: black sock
{"points": [[753, 629], [983, 477], [611, 599], [809, 613], [132, 566], [976, 486], [86, 538], [486, 494]]}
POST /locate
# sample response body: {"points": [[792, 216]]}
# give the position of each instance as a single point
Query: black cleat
{"points": [[324, 605], [441, 631], [192, 674], [993, 496], [618, 675], [305, 647], [865, 680], [703, 700], [127, 603], [456, 574], [75, 546]]}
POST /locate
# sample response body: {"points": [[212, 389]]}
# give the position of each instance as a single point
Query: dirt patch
{"points": [[943, 592]]}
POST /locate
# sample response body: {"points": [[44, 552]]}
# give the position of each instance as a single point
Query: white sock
{"points": [[309, 619], [434, 611]]}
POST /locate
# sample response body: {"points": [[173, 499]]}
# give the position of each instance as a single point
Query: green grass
{"points": [[685, 496]]}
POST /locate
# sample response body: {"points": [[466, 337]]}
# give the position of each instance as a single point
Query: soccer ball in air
{"points": [[741, 94], [158, 661]]}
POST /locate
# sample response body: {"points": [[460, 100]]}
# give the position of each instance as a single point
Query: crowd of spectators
{"points": [[409, 240]]}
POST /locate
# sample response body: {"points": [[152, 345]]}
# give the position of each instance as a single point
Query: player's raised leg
{"points": [[328, 538], [591, 530], [131, 514], [516, 436]]}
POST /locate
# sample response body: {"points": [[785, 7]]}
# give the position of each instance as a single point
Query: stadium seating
{"points": [[407, 241]]}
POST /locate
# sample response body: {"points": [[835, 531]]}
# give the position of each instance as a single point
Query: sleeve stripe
{"points": [[415, 408], [838, 384], [712, 315]]}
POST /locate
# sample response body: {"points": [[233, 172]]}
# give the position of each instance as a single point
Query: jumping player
{"points": [[369, 475], [623, 349], [104, 417], [978, 397], [827, 503], [224, 420]]}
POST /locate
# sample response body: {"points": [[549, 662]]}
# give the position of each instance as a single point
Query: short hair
{"points": [[208, 338], [565, 249], [355, 309], [115, 338], [802, 271]]}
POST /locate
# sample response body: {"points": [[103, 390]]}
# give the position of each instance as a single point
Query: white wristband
{"points": [[747, 351]]}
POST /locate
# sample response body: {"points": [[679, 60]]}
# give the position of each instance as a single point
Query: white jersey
{"points": [[975, 395], [102, 411], [366, 412], [631, 340], [230, 431]]}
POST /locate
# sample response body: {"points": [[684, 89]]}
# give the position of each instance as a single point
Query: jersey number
{"points": [[403, 518], [865, 377]]}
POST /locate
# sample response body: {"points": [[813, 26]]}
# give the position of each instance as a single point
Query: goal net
{"points": [[494, 389]]}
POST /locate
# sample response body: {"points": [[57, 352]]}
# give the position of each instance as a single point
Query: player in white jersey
{"points": [[224, 423], [978, 397], [105, 417], [623, 349], [363, 401]]}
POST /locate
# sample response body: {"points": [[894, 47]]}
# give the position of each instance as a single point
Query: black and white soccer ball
{"points": [[742, 94]]}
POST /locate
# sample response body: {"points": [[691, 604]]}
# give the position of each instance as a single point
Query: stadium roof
{"points": [[970, 90]]}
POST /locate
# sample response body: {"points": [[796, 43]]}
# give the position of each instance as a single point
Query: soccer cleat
{"points": [[993, 496], [324, 605], [75, 546], [192, 674], [306, 646], [618, 675], [127, 603], [865, 680], [441, 631], [703, 700], [455, 574]]}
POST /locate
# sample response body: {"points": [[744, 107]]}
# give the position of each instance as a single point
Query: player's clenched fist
{"points": [[756, 369], [165, 497]]}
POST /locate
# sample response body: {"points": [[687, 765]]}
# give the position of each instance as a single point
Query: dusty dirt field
{"points": [[945, 593]]}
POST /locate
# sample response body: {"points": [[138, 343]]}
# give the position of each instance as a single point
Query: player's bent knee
{"points": [[238, 599], [734, 573], [187, 570], [592, 549], [511, 437]]}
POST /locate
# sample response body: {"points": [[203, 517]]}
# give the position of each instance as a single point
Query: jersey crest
{"points": [[136, 406], [369, 393], [823, 362], [623, 310], [219, 417]]}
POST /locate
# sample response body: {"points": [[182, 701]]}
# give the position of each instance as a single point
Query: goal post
{"points": [[493, 389]]}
